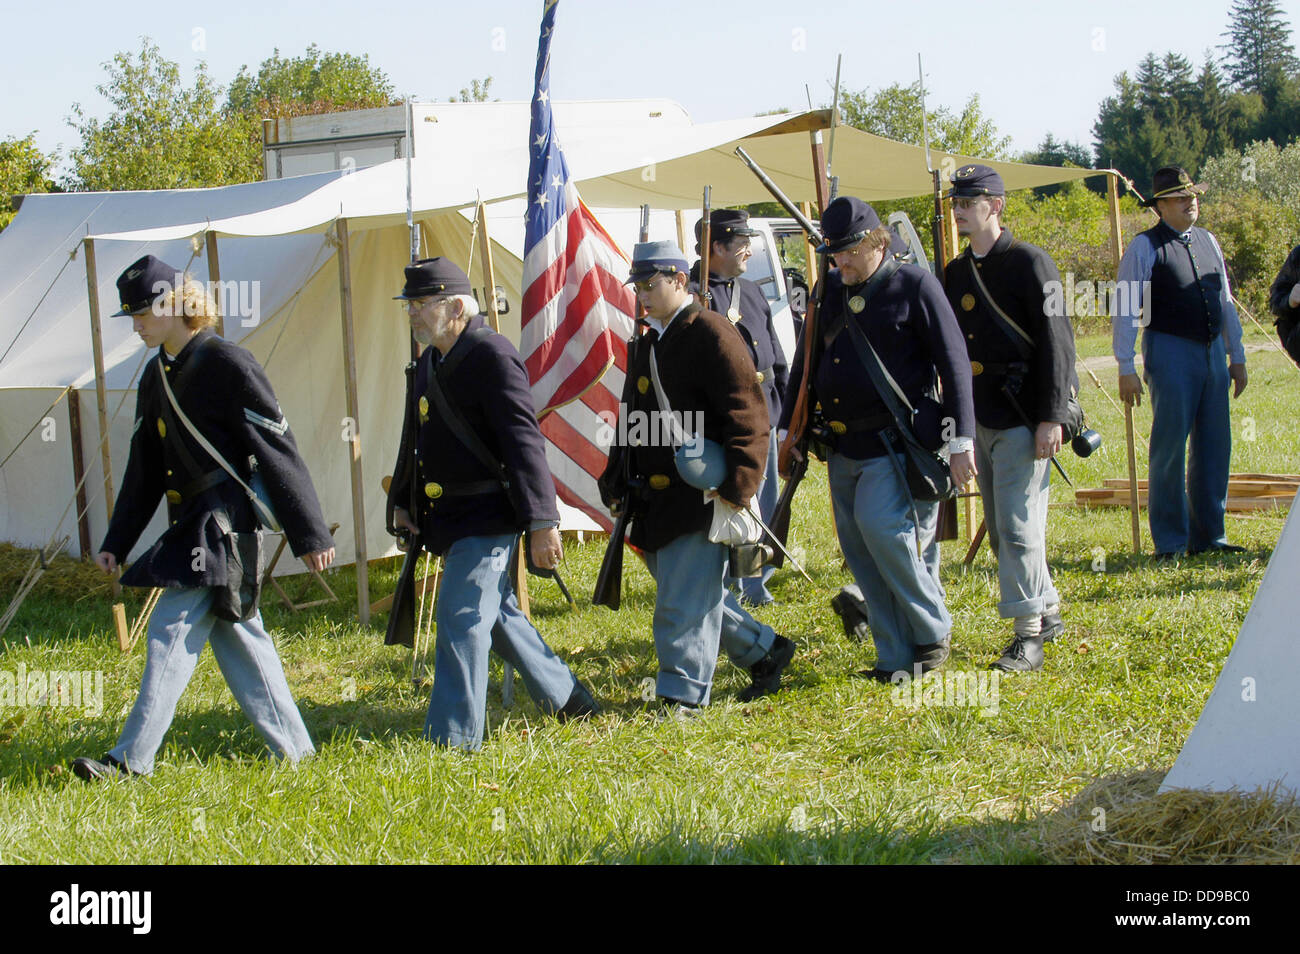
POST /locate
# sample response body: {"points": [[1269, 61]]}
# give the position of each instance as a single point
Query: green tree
{"points": [[1259, 54], [159, 134], [895, 113], [24, 169], [476, 92], [312, 83], [1050, 152], [1159, 118]]}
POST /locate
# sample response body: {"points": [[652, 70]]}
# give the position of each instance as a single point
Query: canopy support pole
{"points": [[101, 392], [819, 173], [489, 275], [214, 278], [1116, 252], [354, 432]]}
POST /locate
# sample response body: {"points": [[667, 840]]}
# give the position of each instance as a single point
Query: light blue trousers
{"points": [[1189, 399], [181, 624], [754, 588], [879, 539], [477, 612], [689, 612], [1014, 487]]}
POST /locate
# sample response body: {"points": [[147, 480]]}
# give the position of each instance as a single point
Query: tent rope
{"points": [[37, 307], [293, 302], [32, 429], [1268, 334]]}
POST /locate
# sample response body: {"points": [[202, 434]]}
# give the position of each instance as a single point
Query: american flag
{"points": [[577, 313]]}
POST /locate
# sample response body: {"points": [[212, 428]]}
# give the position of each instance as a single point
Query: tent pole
{"points": [[354, 444], [681, 231], [1116, 252], [819, 170], [812, 254], [214, 278], [79, 471], [101, 392], [489, 276]]}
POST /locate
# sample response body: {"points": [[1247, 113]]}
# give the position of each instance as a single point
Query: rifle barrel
{"points": [[780, 196]]}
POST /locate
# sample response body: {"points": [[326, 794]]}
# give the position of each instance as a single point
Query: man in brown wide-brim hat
{"points": [[1174, 284]]}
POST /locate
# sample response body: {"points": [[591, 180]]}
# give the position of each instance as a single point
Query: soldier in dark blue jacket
{"points": [[226, 396], [1022, 359], [907, 321], [745, 306], [481, 478]]}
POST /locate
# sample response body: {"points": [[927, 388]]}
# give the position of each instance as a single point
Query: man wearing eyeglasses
{"points": [[885, 535], [1022, 362], [481, 478], [745, 306], [707, 377], [1178, 292]]}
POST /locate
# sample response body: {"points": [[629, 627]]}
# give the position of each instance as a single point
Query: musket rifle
{"points": [[401, 618], [936, 223], [947, 519], [706, 245], [609, 581], [793, 455]]}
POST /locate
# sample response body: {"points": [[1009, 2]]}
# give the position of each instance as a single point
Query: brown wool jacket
{"points": [[708, 376]]}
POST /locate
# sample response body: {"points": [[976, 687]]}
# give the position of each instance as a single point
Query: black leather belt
{"points": [[196, 487], [978, 368], [765, 375], [436, 491], [858, 424]]}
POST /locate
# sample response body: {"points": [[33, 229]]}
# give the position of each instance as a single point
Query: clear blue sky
{"points": [[1037, 66]]}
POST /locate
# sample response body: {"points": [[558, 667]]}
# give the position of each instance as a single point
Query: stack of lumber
{"points": [[1245, 492]]}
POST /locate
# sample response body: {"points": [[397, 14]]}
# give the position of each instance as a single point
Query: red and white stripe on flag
{"points": [[577, 316]]}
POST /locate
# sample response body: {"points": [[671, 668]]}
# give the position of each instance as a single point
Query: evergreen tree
{"points": [[1259, 54]]}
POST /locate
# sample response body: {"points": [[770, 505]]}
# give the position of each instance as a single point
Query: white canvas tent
{"points": [[1247, 736], [281, 235]]}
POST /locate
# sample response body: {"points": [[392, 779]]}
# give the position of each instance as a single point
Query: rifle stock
{"points": [[401, 618], [609, 581]]}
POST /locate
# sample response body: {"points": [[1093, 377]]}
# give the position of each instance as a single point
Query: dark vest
{"points": [[1186, 284]]}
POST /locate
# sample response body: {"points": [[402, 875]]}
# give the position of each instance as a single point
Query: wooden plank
{"points": [[1236, 488], [1104, 498], [350, 378]]}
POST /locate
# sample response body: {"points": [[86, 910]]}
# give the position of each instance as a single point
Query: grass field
{"points": [[831, 769]]}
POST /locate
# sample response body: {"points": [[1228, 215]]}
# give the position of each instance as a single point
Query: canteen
{"points": [[701, 463]]}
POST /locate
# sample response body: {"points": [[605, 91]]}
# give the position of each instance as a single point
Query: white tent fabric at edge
{"points": [[1246, 737], [279, 234]]}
